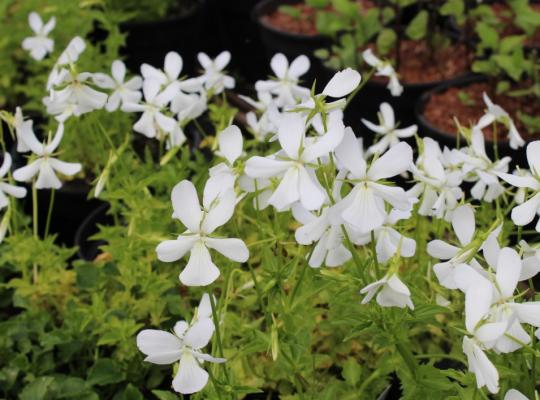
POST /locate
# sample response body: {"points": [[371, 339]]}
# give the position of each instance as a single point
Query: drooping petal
{"points": [[508, 271], [26, 173], [264, 167], [525, 212], [464, 224], [160, 347], [230, 143], [234, 249], [47, 179], [514, 394], [65, 168], [190, 377], [200, 270]]}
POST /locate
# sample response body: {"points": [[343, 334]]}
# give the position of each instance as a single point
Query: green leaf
{"points": [[417, 28], [346, 7], [130, 392], [484, 67], [352, 371], [87, 276], [317, 3], [386, 40], [37, 389], [488, 35], [105, 371], [291, 11], [510, 43], [164, 395], [453, 7], [507, 64]]}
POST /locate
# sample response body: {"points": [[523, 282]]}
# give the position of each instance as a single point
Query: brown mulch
{"points": [[442, 107]]}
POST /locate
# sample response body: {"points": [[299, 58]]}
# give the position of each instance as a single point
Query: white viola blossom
{"points": [[438, 183], [295, 164], [364, 207], [388, 133], [214, 77], [286, 86], [496, 114], [477, 167], [7, 188], [458, 261], [390, 291], [200, 224], [327, 236], [169, 78], [153, 123], [69, 56], [122, 91], [40, 44], [268, 120], [45, 165], [187, 107], [514, 394], [384, 68], [524, 213], [183, 345], [389, 241]]}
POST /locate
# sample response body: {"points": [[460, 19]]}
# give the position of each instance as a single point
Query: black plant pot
{"points": [[425, 128], [238, 33], [290, 44], [149, 41], [88, 249]]}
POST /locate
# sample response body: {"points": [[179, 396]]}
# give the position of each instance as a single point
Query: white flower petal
{"points": [[186, 205], [342, 83], [234, 249], [161, 347], [230, 143], [464, 224], [172, 250], [200, 270], [190, 378], [199, 334]]}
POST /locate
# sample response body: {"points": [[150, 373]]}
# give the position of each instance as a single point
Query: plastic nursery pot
{"points": [[426, 128], [88, 249], [149, 41], [291, 44], [239, 33]]}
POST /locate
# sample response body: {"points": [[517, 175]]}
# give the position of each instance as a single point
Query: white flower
{"points": [[388, 240], [122, 92], [495, 113], [329, 249], [514, 394], [224, 174], [7, 188], [21, 126], [479, 364], [70, 55], [184, 346], [438, 187], [524, 213], [200, 223], [384, 68], [295, 163], [286, 85], [477, 167], [45, 165], [364, 206], [39, 45], [214, 78], [391, 292], [531, 261], [75, 97], [387, 129], [153, 122], [168, 78], [459, 260]]}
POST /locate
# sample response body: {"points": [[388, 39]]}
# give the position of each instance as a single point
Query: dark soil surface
{"points": [[420, 64], [441, 109]]}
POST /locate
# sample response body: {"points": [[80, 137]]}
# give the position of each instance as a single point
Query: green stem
{"points": [[408, 357], [35, 227], [49, 213], [218, 334], [374, 251]]}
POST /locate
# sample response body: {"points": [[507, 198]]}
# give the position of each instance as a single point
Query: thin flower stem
{"points": [[49, 213], [408, 357], [218, 334], [35, 273], [495, 145], [374, 253]]}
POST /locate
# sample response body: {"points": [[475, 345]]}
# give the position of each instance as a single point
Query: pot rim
{"points": [[127, 25]]}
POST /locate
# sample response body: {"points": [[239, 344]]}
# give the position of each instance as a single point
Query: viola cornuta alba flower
{"points": [[384, 68], [200, 224], [390, 291], [7, 188], [40, 44], [122, 91], [45, 165], [214, 77]]}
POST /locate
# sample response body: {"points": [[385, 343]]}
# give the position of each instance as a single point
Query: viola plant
{"points": [[304, 265]]}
